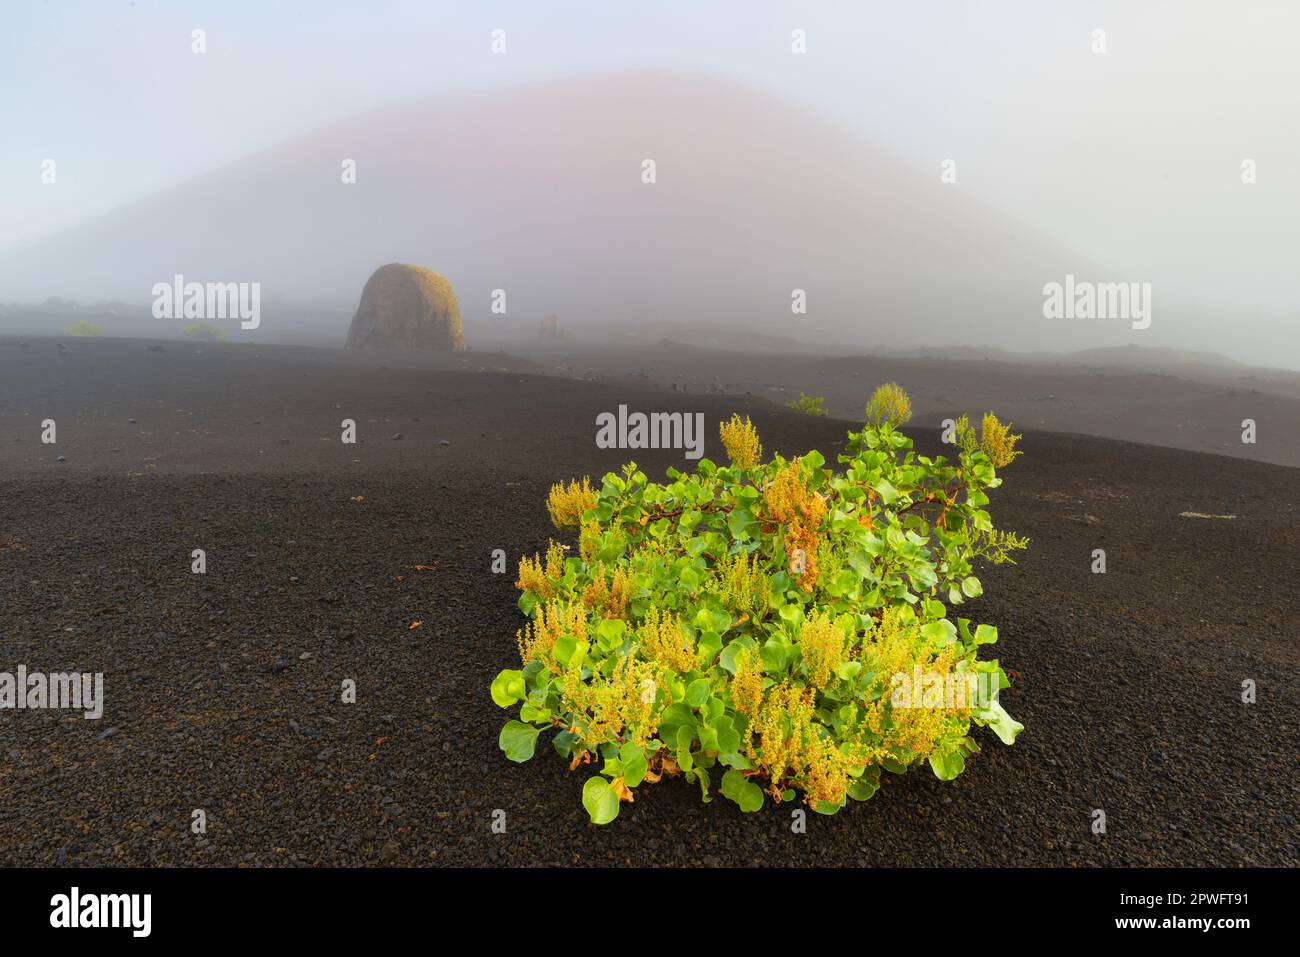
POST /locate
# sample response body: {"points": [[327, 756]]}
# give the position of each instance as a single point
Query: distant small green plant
{"points": [[204, 332], [808, 404], [83, 329]]}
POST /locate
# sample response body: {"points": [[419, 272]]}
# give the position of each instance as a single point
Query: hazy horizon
{"points": [[821, 170]]}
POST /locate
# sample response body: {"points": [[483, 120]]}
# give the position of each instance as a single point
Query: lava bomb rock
{"points": [[407, 307]]}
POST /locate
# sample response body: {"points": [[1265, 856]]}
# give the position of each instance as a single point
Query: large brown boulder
{"points": [[407, 307]]}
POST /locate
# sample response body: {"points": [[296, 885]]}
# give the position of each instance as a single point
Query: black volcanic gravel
{"points": [[223, 690]]}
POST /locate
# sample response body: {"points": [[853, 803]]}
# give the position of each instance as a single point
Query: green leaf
{"points": [[698, 692], [569, 649], [676, 717], [845, 583], [947, 766], [739, 522], [1003, 725], [775, 654], [610, 632], [685, 737], [971, 587], [862, 788], [792, 615], [848, 670], [565, 646], [743, 791], [530, 713], [708, 738], [634, 764], [735, 760], [712, 619], [941, 632], [886, 491], [508, 687], [600, 800], [518, 740], [728, 736], [728, 657], [702, 776]]}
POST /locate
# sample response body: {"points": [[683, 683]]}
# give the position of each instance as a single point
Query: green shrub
{"points": [[204, 332], [762, 628], [84, 329], [808, 404]]}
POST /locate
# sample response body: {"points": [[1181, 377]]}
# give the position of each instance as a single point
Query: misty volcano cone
{"points": [[407, 307]]}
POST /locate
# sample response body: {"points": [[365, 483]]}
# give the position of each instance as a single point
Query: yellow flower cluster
{"points": [[740, 439], [822, 643], [567, 503], [743, 586], [891, 641], [995, 439], [616, 708], [587, 539], [606, 596], [776, 733], [747, 683], [826, 771], [791, 503], [830, 561], [894, 646], [787, 745], [665, 642], [537, 638], [539, 580]]}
